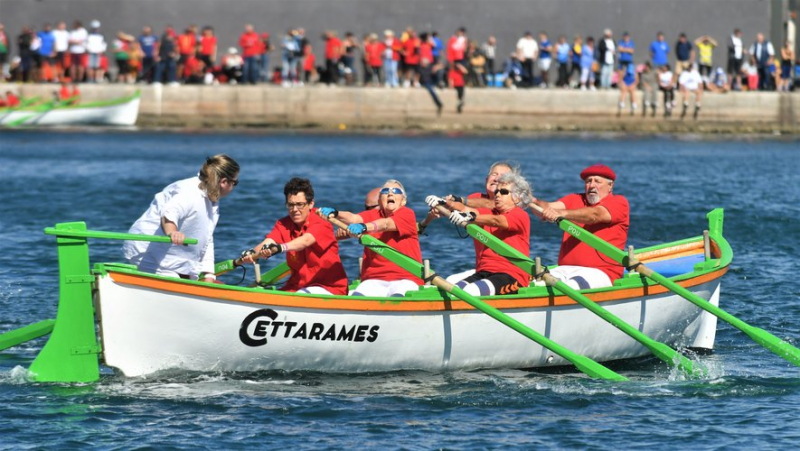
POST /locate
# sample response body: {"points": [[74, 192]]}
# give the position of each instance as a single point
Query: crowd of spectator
{"points": [[387, 59]]}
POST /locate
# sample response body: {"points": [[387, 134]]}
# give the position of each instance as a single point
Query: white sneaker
{"points": [[593, 88], [173, 83], [286, 84], [583, 88]]}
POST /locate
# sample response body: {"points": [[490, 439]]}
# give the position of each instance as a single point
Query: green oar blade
{"points": [[585, 364], [659, 349], [760, 336]]}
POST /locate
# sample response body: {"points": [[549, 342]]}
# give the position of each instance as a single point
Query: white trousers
{"points": [[581, 277], [455, 278], [314, 290], [384, 288]]}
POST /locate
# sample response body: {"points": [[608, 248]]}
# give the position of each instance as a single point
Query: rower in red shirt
{"points": [[494, 274], [396, 225], [474, 200], [311, 249], [602, 213], [11, 99]]}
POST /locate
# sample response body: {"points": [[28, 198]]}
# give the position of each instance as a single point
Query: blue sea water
{"points": [[750, 398]]}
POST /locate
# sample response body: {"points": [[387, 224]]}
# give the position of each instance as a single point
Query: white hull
{"points": [[115, 114], [150, 324]]}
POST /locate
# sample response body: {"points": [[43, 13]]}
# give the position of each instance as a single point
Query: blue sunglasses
{"points": [[397, 191]]}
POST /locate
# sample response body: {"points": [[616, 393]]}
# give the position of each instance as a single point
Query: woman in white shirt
{"points": [[186, 208]]}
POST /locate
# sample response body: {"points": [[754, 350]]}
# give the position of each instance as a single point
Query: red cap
{"points": [[598, 169]]}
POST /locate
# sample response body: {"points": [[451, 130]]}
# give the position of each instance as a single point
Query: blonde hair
{"points": [[215, 169]]}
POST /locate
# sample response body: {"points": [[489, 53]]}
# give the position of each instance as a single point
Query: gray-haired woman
{"points": [[495, 275]]}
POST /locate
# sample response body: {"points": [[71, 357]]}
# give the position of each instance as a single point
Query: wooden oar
{"points": [[584, 364], [521, 260], [760, 336]]}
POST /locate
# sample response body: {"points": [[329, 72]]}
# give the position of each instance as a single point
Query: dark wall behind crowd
{"points": [[506, 19]]}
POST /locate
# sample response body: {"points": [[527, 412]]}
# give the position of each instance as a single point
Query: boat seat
{"points": [[675, 267]]}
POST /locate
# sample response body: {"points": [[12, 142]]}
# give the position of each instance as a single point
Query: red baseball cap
{"points": [[598, 169]]}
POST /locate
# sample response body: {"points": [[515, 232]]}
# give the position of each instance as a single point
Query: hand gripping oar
{"points": [[521, 260], [758, 335], [585, 364]]}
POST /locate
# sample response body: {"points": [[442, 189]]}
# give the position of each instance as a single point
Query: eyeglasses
{"points": [[502, 191], [297, 205], [397, 191], [370, 207]]}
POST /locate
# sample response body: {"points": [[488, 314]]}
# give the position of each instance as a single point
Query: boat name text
{"points": [[301, 331]]}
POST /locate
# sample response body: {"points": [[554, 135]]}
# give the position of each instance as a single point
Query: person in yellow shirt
{"points": [[705, 48]]}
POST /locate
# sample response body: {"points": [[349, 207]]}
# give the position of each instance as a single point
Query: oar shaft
{"points": [[522, 261], [760, 336]]}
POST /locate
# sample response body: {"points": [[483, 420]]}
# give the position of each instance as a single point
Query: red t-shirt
{"points": [[310, 59], [207, 44], [411, 47], [456, 77], [577, 253], [425, 54], [456, 47], [374, 53], [317, 265], [517, 235], [478, 246], [250, 44], [404, 239], [333, 48], [187, 44], [12, 100]]}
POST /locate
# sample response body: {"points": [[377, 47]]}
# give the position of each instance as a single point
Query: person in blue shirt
{"points": [[562, 56], [684, 54], [438, 74], [46, 53], [626, 48], [627, 88], [659, 51], [545, 58], [587, 60], [149, 44]]}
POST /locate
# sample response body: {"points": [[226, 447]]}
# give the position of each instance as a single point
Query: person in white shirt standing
{"points": [[61, 46], [77, 50], [186, 208], [95, 47], [607, 49], [527, 51]]}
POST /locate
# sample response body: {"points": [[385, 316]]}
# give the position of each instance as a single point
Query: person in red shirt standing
{"points": [[250, 42], [187, 47], [373, 53], [208, 47], [311, 249], [394, 224], [602, 213], [456, 48], [333, 52], [494, 274], [411, 50]]}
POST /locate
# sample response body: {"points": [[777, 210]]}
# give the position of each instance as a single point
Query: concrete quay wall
{"points": [[265, 106]]}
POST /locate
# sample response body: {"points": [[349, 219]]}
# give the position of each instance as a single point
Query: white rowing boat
{"points": [[141, 324], [121, 111]]}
